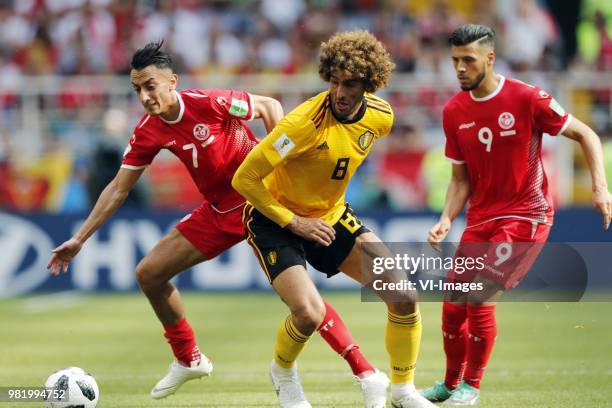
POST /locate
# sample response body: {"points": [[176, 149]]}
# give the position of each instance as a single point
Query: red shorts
{"points": [[507, 248], [212, 232]]}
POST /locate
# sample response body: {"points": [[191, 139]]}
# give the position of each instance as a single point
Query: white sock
{"points": [[399, 390], [366, 374], [278, 370]]}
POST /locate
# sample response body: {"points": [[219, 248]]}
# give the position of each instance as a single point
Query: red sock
{"points": [[336, 334], [482, 332], [182, 340], [454, 332]]}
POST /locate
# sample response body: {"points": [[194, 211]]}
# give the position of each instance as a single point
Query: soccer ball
{"points": [[80, 388]]}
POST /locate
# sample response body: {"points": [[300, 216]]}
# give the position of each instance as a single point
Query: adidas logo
{"points": [[323, 146]]}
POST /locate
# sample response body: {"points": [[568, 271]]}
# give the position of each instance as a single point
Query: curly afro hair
{"points": [[358, 53]]}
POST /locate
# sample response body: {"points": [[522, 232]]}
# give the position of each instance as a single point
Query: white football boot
{"points": [[464, 394], [374, 389], [287, 386], [410, 399], [178, 374]]}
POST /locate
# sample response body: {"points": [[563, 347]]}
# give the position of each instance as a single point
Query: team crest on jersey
{"points": [[201, 131], [272, 257], [506, 120], [221, 100], [365, 140]]}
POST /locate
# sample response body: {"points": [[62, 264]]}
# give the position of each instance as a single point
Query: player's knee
{"points": [[309, 316], [147, 276], [403, 303]]}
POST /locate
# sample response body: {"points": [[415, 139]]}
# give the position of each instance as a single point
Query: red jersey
{"points": [[499, 138], [208, 137]]}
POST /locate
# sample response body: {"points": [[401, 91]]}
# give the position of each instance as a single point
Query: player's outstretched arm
{"points": [[456, 197], [248, 181], [268, 109], [593, 152], [110, 199]]}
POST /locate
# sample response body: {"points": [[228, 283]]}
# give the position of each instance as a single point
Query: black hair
{"points": [[151, 54], [469, 33]]}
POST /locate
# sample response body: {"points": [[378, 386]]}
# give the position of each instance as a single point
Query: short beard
{"points": [[342, 115], [475, 84]]}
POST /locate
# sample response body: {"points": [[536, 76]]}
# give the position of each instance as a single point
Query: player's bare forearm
{"points": [[592, 150], [105, 207], [111, 198], [456, 197], [269, 110], [248, 181], [457, 194]]}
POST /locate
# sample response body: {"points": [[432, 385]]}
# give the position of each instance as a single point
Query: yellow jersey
{"points": [[315, 154]]}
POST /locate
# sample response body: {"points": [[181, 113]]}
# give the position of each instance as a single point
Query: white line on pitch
{"points": [[55, 301]]}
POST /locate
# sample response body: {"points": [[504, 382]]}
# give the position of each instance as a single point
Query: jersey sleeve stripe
{"points": [[378, 105], [130, 167], [321, 109], [377, 98], [318, 120], [252, 107], [454, 161], [379, 109], [378, 102], [565, 125]]}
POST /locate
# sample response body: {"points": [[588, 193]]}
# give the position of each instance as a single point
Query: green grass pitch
{"points": [[547, 354]]}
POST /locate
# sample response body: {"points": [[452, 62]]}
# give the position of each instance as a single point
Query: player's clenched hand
{"points": [[602, 201], [438, 232], [62, 255], [312, 229]]}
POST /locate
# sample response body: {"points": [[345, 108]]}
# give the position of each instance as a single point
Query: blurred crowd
{"points": [[83, 135], [77, 37]]}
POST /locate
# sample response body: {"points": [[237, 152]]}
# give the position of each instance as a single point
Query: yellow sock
{"points": [[289, 343], [403, 338]]}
